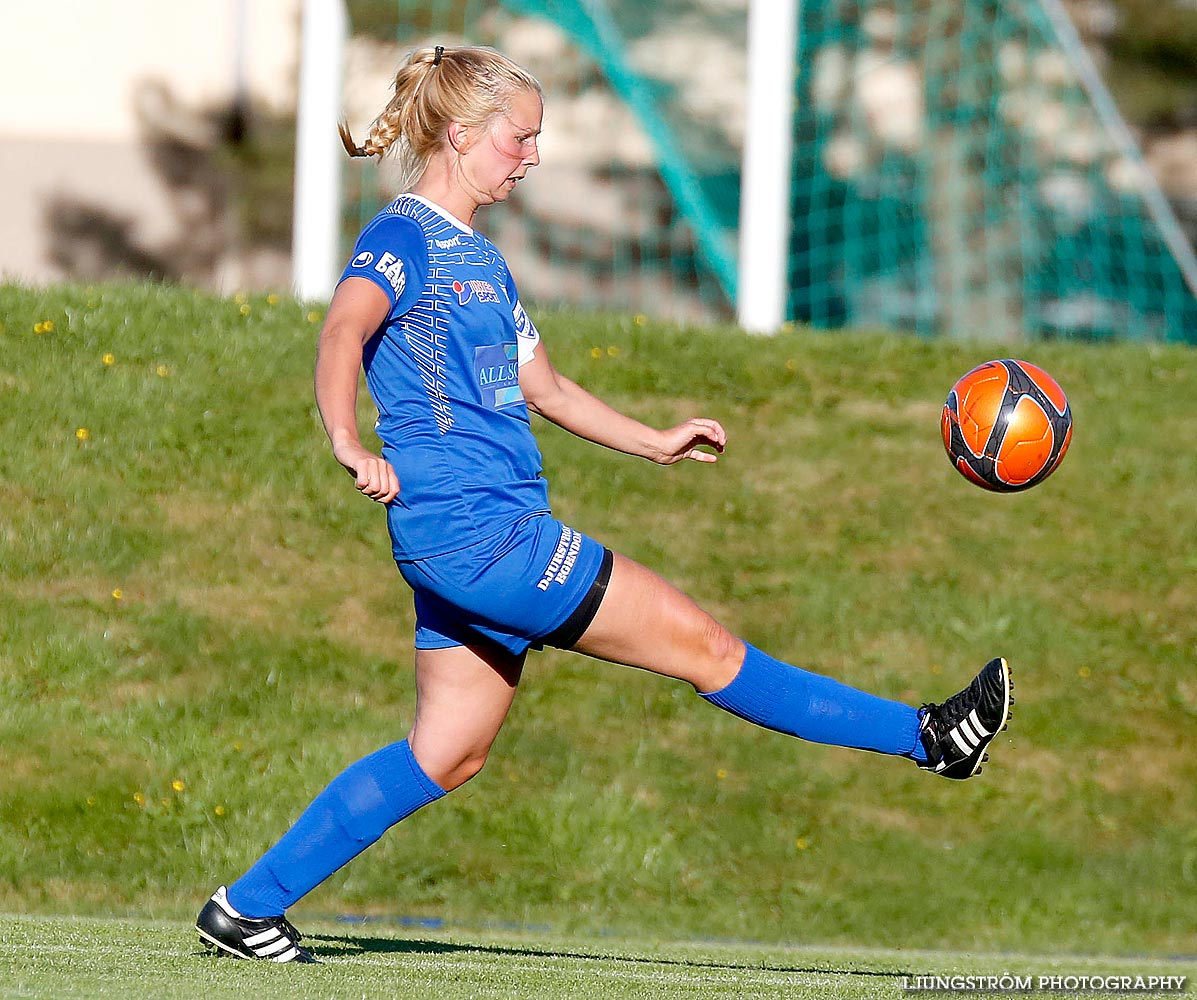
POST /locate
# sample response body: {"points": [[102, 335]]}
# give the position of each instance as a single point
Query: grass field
{"points": [[201, 625], [92, 959]]}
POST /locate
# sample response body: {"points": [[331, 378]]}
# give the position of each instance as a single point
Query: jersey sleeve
{"points": [[392, 253], [526, 334]]}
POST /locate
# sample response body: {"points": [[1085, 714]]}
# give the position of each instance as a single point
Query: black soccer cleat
{"points": [[225, 931], [956, 733]]}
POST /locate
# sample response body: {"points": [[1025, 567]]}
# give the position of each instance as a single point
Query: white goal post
{"points": [[762, 280], [315, 235]]}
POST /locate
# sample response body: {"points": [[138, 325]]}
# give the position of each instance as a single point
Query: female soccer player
{"points": [[429, 308]]}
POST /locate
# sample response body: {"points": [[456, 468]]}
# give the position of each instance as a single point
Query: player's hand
{"points": [[373, 475], [686, 439]]}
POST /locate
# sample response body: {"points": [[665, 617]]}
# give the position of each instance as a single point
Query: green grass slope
{"points": [[201, 625]]}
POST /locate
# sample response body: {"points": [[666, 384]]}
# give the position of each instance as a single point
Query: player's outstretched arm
{"points": [[565, 403], [357, 310]]}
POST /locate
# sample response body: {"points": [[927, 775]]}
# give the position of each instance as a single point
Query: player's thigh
{"points": [[463, 694], [645, 621]]}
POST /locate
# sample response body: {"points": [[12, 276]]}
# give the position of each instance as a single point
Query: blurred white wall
{"points": [[79, 79]]}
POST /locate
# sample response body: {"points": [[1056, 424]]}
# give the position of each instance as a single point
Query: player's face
{"points": [[506, 151]]}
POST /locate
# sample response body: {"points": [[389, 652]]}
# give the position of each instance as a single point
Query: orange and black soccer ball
{"points": [[1006, 425]]}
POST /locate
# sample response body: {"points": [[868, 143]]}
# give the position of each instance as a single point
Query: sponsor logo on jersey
{"points": [[497, 370], [447, 244], [363, 259], [473, 288], [565, 555], [391, 268]]}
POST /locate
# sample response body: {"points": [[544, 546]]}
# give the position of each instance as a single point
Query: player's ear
{"points": [[458, 136]]}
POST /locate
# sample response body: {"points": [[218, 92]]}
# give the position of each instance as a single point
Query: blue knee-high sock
{"points": [[356, 808], [790, 700]]}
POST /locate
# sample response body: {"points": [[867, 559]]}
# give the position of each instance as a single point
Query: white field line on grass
{"points": [[588, 967]]}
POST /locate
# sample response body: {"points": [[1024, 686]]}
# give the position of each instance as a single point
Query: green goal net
{"points": [[958, 167]]}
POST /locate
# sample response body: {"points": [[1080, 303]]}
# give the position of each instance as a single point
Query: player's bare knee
{"points": [[724, 655]]}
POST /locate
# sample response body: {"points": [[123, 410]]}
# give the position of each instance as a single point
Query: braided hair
{"points": [[434, 87]]}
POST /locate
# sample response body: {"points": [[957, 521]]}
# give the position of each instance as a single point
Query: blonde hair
{"points": [[436, 86]]}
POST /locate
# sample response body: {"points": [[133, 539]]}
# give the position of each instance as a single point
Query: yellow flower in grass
{"points": [[272, 299], [82, 434], [118, 594], [45, 326], [162, 371], [139, 798], [219, 810], [596, 352], [108, 359], [178, 784], [245, 309], [314, 317]]}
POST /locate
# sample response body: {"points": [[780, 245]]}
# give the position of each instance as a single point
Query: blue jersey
{"points": [[443, 370]]}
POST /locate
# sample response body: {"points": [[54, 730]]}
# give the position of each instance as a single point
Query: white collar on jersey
{"points": [[447, 216]]}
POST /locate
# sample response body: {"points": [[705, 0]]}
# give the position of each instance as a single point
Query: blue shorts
{"points": [[538, 583]]}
